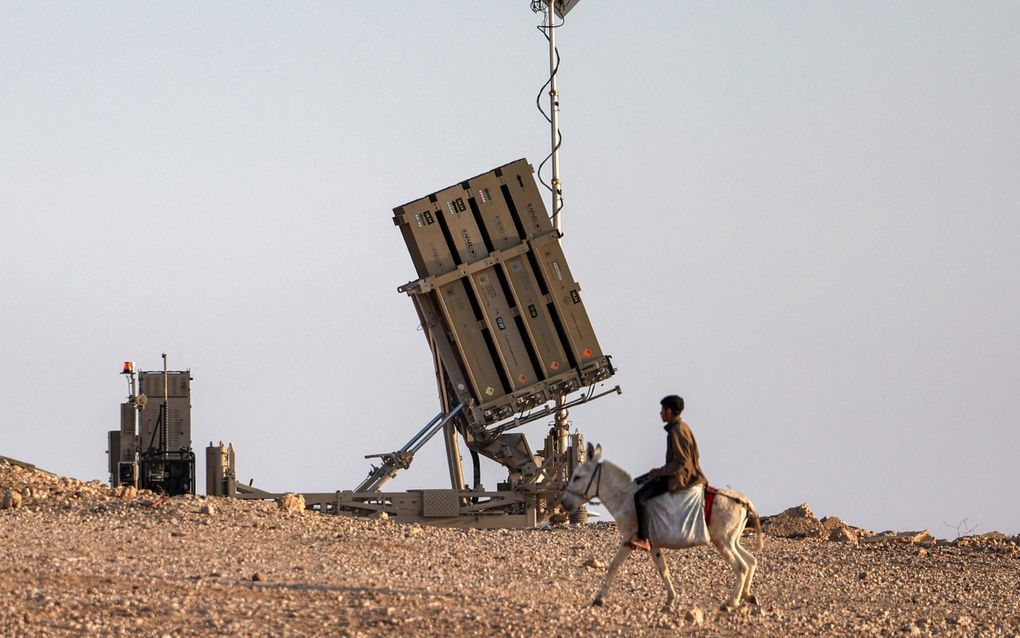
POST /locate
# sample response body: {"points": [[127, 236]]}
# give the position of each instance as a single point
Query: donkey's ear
{"points": [[590, 452], [597, 455]]}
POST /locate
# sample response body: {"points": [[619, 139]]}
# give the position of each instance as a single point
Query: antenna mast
{"points": [[554, 117], [551, 9]]}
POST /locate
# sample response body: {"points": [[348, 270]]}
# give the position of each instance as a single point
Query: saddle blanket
{"points": [[677, 520]]}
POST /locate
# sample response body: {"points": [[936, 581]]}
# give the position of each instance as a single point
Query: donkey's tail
{"points": [[752, 514]]}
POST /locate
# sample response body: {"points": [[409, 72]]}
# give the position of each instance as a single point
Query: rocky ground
{"points": [[80, 559]]}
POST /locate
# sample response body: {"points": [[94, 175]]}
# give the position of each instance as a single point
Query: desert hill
{"points": [[82, 559]]}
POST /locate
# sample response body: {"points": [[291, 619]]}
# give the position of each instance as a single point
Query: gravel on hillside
{"points": [[81, 559]]}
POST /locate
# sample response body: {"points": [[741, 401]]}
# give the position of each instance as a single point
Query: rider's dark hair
{"points": [[674, 403]]}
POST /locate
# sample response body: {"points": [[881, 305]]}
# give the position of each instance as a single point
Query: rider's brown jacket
{"points": [[682, 465]]}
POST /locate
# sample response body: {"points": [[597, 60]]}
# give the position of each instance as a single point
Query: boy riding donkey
{"points": [[680, 472]]}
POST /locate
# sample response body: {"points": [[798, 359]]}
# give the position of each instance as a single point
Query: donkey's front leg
{"points": [[660, 564], [621, 555]]}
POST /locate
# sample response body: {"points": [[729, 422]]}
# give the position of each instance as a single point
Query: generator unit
{"points": [[152, 448]]}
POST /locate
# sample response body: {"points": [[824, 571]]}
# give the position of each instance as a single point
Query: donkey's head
{"points": [[584, 482]]}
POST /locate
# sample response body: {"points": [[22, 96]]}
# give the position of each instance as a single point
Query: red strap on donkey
{"points": [[710, 493]]}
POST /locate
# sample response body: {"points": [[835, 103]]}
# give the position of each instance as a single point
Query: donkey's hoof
{"points": [[597, 602], [751, 600], [726, 608]]}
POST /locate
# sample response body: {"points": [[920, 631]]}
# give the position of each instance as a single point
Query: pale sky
{"points": [[802, 217]]}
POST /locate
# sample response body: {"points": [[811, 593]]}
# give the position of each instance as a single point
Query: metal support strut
{"points": [[401, 459]]}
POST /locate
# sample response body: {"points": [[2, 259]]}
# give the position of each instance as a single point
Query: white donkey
{"points": [[615, 489]]}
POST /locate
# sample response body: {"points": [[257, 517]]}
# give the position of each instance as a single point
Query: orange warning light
{"points": [[586, 352], [555, 365], [129, 367]]}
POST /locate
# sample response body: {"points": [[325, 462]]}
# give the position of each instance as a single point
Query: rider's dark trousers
{"points": [[645, 493]]}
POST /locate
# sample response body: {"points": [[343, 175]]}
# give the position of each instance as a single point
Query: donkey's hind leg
{"points": [[725, 548], [752, 564], [660, 564]]}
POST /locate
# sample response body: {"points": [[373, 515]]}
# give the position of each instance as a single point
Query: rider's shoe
{"points": [[640, 543]]}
